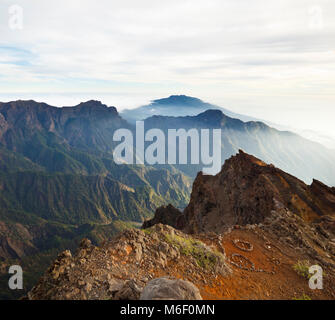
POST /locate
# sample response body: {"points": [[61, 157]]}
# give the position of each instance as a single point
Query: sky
{"points": [[270, 59]]}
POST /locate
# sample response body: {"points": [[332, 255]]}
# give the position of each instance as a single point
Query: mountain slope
{"points": [[303, 158], [68, 150]]}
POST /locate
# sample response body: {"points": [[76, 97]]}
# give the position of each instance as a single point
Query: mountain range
{"points": [[303, 158], [181, 106], [59, 182]]}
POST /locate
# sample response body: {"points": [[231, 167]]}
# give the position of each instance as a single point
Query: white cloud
{"points": [[267, 58]]}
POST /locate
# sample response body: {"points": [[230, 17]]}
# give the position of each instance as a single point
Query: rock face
{"points": [[170, 289], [15, 241], [246, 192]]}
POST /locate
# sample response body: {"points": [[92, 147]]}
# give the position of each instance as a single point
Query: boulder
{"points": [[170, 289]]}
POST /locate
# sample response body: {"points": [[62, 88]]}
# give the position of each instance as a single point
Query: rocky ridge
{"points": [[121, 268]]}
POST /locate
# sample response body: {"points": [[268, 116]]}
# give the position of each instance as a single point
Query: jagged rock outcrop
{"points": [[245, 192]]}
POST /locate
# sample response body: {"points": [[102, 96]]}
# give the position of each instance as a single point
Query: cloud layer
{"points": [[267, 58]]}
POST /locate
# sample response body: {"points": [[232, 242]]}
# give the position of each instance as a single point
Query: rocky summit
{"points": [[247, 191], [250, 232]]}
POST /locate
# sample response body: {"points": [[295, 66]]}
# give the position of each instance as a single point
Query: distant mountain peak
{"points": [[177, 106], [180, 100], [92, 103], [93, 106]]}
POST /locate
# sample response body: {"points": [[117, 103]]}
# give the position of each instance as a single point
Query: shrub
{"points": [[303, 297], [204, 257], [302, 268], [148, 231]]}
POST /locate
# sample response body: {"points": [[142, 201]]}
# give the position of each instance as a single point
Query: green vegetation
{"points": [[78, 199], [204, 257], [302, 268], [148, 231], [303, 297]]}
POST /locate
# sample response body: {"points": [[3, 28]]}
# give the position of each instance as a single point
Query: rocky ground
{"points": [[252, 238], [246, 262]]}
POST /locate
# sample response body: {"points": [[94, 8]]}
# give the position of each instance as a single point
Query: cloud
{"points": [[253, 57]]}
